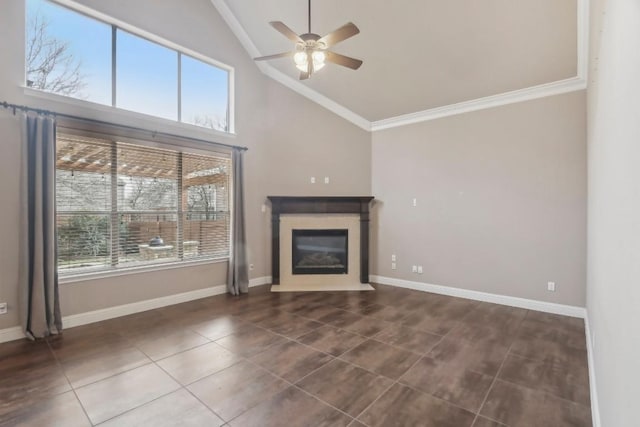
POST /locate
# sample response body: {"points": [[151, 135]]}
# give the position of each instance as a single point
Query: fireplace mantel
{"points": [[320, 205]]}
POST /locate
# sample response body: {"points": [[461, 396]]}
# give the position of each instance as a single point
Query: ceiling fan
{"points": [[311, 50]]}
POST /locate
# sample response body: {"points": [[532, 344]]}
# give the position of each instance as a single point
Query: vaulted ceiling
{"points": [[420, 54]]}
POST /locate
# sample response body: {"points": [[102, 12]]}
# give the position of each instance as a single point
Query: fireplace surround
{"points": [[321, 205]]}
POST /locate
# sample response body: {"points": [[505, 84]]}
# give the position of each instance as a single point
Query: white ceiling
{"points": [[423, 54]]}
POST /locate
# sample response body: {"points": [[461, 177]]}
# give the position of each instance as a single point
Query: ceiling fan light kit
{"points": [[311, 51]]}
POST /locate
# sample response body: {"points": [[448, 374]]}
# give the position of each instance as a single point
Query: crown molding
{"points": [[520, 95], [318, 98], [579, 82]]}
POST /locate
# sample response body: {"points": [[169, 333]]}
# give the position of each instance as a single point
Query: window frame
{"points": [[117, 24], [114, 135]]}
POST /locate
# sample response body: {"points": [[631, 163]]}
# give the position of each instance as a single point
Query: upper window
{"points": [[122, 205], [71, 54]]}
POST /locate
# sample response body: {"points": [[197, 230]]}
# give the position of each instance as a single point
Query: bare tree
{"points": [[202, 198], [149, 194], [81, 191], [50, 64], [212, 122]]}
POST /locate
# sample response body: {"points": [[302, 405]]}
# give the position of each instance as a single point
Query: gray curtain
{"points": [[238, 275], [38, 270]]}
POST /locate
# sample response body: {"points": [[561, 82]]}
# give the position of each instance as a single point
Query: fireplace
{"points": [[319, 251], [346, 214]]}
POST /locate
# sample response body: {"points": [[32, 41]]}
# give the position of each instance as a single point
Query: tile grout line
{"points": [[59, 363], [182, 387], [151, 361], [271, 303], [289, 384], [186, 388], [547, 393], [372, 337], [506, 356], [383, 393], [251, 323], [421, 355], [518, 355], [438, 398]]}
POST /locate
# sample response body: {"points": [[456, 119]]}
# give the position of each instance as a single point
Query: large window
{"points": [[123, 205], [71, 54]]}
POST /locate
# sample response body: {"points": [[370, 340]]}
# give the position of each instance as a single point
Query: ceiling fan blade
{"points": [[345, 61], [286, 31], [276, 56], [342, 33]]}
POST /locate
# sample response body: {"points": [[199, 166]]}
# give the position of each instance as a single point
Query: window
{"points": [[123, 205], [71, 54], [146, 77]]}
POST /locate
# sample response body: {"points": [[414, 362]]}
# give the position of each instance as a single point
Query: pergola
{"points": [[82, 154]]}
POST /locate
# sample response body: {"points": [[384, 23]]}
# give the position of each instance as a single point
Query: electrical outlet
{"points": [[393, 258], [415, 202], [393, 265], [551, 286], [3, 308], [414, 268], [264, 208], [419, 269]]}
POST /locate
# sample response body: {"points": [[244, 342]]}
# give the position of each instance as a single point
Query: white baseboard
{"points": [[595, 407], [547, 307], [140, 306], [11, 334], [16, 333], [259, 281]]}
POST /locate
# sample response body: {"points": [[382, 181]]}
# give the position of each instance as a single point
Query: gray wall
{"points": [[501, 192], [501, 200], [613, 289], [289, 140]]}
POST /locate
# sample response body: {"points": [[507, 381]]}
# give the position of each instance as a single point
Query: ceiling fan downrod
{"points": [[309, 12]]}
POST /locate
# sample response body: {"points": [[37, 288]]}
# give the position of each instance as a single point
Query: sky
{"points": [[146, 72]]}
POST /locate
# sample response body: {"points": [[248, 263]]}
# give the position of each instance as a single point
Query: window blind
{"points": [[123, 205]]}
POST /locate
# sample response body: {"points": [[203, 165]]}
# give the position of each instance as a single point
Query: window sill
{"points": [[119, 115], [126, 271]]}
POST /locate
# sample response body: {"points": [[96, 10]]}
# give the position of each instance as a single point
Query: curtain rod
{"points": [[26, 108]]}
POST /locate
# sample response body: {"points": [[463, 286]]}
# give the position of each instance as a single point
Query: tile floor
{"points": [[393, 357]]}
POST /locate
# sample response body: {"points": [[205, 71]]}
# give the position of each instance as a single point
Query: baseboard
{"points": [[11, 334], [259, 281], [140, 306], [595, 407], [16, 333], [547, 307]]}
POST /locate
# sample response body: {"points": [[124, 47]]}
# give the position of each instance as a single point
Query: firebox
{"points": [[320, 251]]}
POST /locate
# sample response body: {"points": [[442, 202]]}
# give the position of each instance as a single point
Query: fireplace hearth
{"points": [[320, 213], [320, 251]]}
